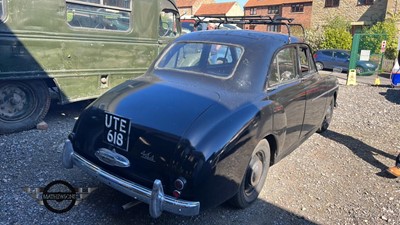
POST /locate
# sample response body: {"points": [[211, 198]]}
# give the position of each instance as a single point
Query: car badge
{"points": [[147, 156], [112, 158]]}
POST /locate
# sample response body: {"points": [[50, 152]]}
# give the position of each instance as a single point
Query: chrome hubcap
{"points": [[256, 172], [12, 101]]}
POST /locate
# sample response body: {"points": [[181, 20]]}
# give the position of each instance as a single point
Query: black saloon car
{"points": [[206, 121]]}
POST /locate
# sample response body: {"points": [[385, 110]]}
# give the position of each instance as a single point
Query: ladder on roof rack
{"points": [[262, 20]]}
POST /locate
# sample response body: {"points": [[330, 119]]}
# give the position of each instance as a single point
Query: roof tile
{"points": [[185, 3], [215, 8], [254, 3]]}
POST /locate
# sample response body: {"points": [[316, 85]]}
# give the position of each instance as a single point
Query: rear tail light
{"points": [[179, 185], [315, 55], [176, 193]]}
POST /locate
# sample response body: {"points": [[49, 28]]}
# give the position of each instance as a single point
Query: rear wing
{"points": [[253, 20]]}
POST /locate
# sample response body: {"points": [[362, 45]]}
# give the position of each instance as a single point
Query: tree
{"points": [[385, 30], [336, 34]]}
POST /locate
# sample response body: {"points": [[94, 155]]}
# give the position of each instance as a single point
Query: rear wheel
{"points": [[328, 118], [359, 70], [254, 177], [23, 104], [319, 65]]}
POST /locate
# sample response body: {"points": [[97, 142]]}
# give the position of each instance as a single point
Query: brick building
{"points": [[299, 10]]}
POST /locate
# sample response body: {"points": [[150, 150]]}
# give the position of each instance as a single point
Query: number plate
{"points": [[116, 131]]}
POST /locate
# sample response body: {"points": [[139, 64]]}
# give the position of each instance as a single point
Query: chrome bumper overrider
{"points": [[155, 197]]}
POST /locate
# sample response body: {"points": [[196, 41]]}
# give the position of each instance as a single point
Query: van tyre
{"points": [[23, 104], [254, 177]]}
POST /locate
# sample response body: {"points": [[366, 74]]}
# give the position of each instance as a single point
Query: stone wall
{"points": [[350, 11], [393, 7]]}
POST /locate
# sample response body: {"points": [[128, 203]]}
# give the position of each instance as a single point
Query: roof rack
{"points": [[264, 20]]}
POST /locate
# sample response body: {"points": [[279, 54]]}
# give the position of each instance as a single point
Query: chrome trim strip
{"points": [[112, 158], [155, 197], [326, 92]]}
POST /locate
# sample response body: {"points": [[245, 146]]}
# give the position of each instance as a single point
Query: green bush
{"points": [[336, 34], [336, 38], [314, 38], [385, 30]]}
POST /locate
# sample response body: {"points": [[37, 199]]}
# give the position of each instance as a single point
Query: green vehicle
{"points": [[73, 50]]}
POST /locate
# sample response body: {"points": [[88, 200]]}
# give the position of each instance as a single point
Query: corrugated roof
{"points": [[215, 8], [254, 3]]}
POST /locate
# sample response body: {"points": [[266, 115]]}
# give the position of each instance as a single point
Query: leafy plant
{"points": [[314, 38], [336, 34], [385, 30], [336, 38]]}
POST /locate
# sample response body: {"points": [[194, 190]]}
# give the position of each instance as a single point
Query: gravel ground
{"points": [[334, 178]]}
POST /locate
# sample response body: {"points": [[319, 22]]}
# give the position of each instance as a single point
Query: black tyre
{"points": [[328, 118], [359, 70], [254, 178], [319, 65], [23, 104]]}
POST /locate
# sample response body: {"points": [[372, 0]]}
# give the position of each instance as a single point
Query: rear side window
{"points": [[283, 66], [341, 55], [99, 14], [306, 62], [327, 53]]}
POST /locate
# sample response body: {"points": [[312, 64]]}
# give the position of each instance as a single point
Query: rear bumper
{"points": [[155, 197]]}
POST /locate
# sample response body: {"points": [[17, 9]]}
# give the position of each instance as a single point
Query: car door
{"points": [[286, 91], [341, 59], [327, 59], [314, 88], [168, 27]]}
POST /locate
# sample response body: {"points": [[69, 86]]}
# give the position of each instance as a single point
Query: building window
{"points": [[99, 14], [365, 2], [253, 11], [273, 9], [331, 3], [298, 8], [273, 28], [252, 27]]}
